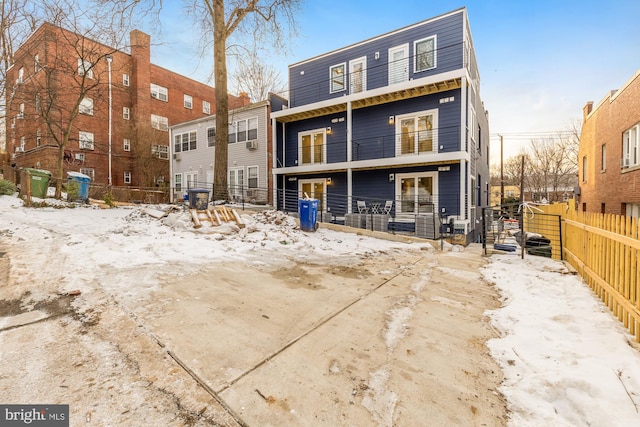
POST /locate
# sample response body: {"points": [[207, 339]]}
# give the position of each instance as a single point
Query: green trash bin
{"points": [[39, 182]]}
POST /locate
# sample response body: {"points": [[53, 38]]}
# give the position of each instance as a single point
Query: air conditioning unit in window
{"points": [[624, 163], [79, 156], [154, 95], [252, 145], [19, 150], [252, 193], [177, 156]]}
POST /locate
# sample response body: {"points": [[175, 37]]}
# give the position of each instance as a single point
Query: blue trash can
{"points": [[198, 198], [83, 182], [308, 210]]}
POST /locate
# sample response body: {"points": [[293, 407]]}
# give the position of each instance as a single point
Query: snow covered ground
{"points": [[566, 360]]}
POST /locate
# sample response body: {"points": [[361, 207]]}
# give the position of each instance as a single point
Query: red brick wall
{"points": [[606, 124]]}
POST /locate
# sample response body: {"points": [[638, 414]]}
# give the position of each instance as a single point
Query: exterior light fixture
{"points": [[329, 130], [329, 181], [392, 120]]}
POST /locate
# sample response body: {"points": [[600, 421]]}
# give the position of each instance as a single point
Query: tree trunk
{"points": [[222, 103], [60, 171]]}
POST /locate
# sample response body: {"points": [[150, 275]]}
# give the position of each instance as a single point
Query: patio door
{"points": [[358, 75], [314, 189], [417, 193], [236, 183]]}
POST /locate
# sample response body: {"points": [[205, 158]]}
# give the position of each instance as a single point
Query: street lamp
{"points": [[109, 59]]}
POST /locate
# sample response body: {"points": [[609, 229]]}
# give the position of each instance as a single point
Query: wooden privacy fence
{"points": [[605, 250]]}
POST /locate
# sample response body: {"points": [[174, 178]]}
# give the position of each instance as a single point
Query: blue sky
{"points": [[540, 62]]}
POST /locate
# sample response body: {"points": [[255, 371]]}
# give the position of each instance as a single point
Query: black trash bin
{"points": [[198, 198]]}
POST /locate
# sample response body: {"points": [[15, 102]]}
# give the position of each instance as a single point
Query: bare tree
{"points": [[552, 166], [256, 78], [260, 21]]}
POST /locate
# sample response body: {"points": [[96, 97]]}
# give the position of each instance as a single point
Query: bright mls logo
{"points": [[34, 415]]}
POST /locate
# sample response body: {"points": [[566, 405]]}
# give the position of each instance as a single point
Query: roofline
{"points": [[252, 106], [399, 30], [612, 96]]}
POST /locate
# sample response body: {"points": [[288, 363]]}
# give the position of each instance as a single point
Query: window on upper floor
{"points": [[206, 107], [85, 68], [127, 177], [21, 112], [126, 113], [425, 54], [85, 140], [23, 143], [185, 141], [188, 101], [177, 179], [126, 144], [159, 122], [86, 106], [358, 75], [20, 78], [36, 64], [337, 78], [38, 138], [311, 146], [399, 64], [416, 133], [159, 92], [160, 151], [603, 160], [37, 103], [125, 79], [243, 130], [211, 136], [631, 147]]}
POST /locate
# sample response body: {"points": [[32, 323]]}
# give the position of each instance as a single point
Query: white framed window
{"points": [[177, 180], [38, 138], [416, 133], [127, 177], [398, 64], [185, 141], [36, 63], [252, 128], [85, 68], [85, 140], [125, 79], [126, 113], [20, 78], [631, 147], [23, 143], [315, 189], [159, 92], [425, 54], [358, 75], [86, 106], [243, 130], [90, 172], [159, 122], [211, 136], [21, 112], [160, 151], [188, 101], [417, 193], [126, 144], [337, 78], [206, 107], [252, 177], [311, 147]]}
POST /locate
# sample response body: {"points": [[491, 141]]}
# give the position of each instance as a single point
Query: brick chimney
{"points": [[141, 68], [586, 110]]}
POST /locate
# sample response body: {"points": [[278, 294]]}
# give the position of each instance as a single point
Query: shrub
{"points": [[7, 188]]}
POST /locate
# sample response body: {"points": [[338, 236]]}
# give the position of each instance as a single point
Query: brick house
{"points": [[115, 106], [395, 120], [609, 154]]}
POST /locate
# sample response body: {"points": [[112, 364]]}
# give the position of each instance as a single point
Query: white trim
{"points": [[393, 65], [435, 54], [323, 181], [414, 116], [398, 192], [311, 133], [344, 77], [362, 60]]}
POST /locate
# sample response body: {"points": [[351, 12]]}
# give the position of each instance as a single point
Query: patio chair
{"points": [[388, 205], [362, 207]]}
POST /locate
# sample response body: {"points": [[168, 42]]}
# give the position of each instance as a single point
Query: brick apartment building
{"points": [[609, 155], [115, 108]]}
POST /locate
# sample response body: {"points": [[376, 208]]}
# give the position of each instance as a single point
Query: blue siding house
{"points": [[397, 120]]}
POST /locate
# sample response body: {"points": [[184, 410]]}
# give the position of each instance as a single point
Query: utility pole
{"points": [[501, 172]]}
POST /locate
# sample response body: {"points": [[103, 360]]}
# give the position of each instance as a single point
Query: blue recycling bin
{"points": [[83, 182], [308, 210]]}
